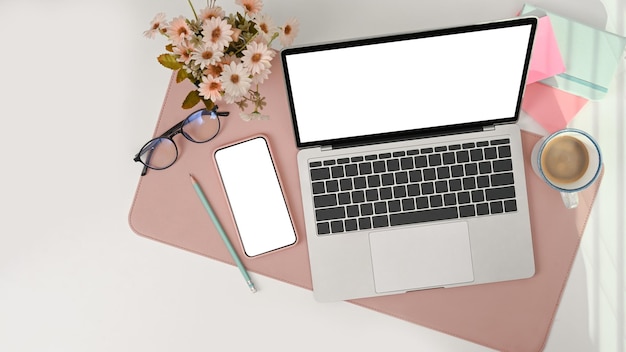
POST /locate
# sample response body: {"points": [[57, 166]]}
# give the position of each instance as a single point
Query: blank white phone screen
{"points": [[255, 196]]}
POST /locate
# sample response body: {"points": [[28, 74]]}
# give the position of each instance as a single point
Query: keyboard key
{"points": [[323, 228], [421, 202], [419, 216], [482, 181], [468, 145], [327, 200], [482, 209], [371, 195], [443, 172], [358, 197], [496, 207], [351, 225], [406, 163], [344, 198], [467, 210], [428, 188], [329, 162], [337, 171], [366, 209], [365, 168], [336, 226], [457, 171], [421, 161], [332, 186], [469, 183], [320, 174], [318, 187], [371, 157], [484, 167], [413, 190], [462, 156], [441, 149], [365, 223], [502, 165], [429, 174], [373, 181], [330, 213], [380, 207], [380, 221], [463, 197], [386, 193], [343, 161], [491, 153], [398, 154], [455, 185], [502, 179], [352, 211], [352, 170], [394, 206], [315, 164], [346, 184], [402, 177], [387, 179], [379, 166], [356, 159], [510, 205], [476, 154], [449, 199], [426, 150], [434, 159], [399, 191], [359, 182], [408, 204], [415, 176], [454, 147], [504, 151], [384, 156], [393, 165], [478, 196], [482, 144], [500, 141], [471, 169], [436, 201], [412, 152], [500, 193], [441, 186], [448, 158]]}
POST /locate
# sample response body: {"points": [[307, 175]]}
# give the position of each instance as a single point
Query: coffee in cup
{"points": [[569, 161]]}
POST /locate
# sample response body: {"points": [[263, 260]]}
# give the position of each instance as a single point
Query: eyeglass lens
{"points": [[161, 152]]}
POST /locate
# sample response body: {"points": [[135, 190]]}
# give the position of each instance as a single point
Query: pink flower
{"points": [[211, 12], [178, 30], [235, 80], [156, 25], [251, 6], [289, 31], [210, 88], [257, 57], [217, 32]]}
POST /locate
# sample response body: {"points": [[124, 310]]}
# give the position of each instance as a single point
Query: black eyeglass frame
{"points": [[173, 131]]}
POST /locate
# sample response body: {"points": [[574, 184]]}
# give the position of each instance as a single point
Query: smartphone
{"points": [[255, 196]]}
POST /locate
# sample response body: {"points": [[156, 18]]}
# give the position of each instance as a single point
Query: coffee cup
{"points": [[569, 161]]}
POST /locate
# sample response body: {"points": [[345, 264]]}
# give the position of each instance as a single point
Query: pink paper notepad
{"points": [[509, 316]]}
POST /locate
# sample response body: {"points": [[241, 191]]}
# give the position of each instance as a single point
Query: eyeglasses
{"points": [[161, 152]]}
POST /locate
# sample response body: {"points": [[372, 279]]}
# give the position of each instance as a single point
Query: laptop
{"points": [[410, 159]]}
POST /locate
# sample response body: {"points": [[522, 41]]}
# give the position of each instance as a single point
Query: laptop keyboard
{"points": [[413, 186]]}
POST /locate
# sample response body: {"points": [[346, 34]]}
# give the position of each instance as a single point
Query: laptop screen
{"points": [[402, 84]]}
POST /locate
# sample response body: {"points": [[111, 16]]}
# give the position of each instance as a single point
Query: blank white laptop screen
{"points": [[459, 78]]}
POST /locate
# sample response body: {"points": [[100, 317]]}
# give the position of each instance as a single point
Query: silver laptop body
{"points": [[410, 163]]}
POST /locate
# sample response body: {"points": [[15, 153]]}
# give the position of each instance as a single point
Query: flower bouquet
{"points": [[226, 57]]}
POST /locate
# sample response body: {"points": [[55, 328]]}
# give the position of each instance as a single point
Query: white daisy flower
{"points": [[211, 12], [156, 25], [265, 26], [257, 57], [206, 54], [217, 32], [260, 77], [178, 30], [235, 80], [210, 88], [289, 31], [251, 6], [183, 51]]}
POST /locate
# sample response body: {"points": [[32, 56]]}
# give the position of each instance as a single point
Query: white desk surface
{"points": [[80, 93]]}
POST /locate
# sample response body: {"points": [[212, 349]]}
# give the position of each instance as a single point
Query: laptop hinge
{"points": [[489, 128], [326, 148]]}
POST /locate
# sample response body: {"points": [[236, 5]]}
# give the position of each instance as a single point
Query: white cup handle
{"points": [[570, 199]]}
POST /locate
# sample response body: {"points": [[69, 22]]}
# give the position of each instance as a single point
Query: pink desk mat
{"points": [[509, 316]]}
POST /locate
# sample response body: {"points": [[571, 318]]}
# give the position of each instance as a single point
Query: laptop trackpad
{"points": [[421, 257]]}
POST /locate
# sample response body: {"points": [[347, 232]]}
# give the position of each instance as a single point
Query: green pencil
{"points": [[220, 230]]}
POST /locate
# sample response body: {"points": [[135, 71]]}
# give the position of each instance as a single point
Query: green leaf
{"points": [[169, 61], [191, 100], [208, 103], [170, 48], [181, 75]]}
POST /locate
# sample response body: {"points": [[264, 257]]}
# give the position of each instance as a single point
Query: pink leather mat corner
{"points": [[509, 316]]}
